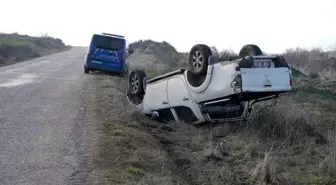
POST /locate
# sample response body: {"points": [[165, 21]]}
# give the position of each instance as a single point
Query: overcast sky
{"points": [[274, 25]]}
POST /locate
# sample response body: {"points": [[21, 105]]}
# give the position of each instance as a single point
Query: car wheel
{"points": [[198, 59], [136, 82], [249, 50], [86, 70]]}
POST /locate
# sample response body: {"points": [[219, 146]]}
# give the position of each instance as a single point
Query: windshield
{"points": [[108, 42]]}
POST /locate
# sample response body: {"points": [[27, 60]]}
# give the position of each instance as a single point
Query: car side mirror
{"points": [[130, 51]]}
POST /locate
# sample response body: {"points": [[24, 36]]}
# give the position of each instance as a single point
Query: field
{"points": [[291, 143]]}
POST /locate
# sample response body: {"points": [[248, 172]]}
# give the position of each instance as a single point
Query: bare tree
{"points": [[227, 54], [215, 52]]}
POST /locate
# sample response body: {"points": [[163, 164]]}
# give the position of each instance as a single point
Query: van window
{"points": [[108, 42]]}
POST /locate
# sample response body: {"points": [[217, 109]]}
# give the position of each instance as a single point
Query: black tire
{"points": [[136, 82], [198, 59], [86, 70], [249, 50]]}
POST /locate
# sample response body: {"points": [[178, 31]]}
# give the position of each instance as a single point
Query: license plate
{"points": [[262, 63]]}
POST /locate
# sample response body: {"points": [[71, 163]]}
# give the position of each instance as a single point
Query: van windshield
{"points": [[108, 42]]}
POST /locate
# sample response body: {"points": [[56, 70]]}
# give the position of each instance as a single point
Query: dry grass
{"points": [[314, 62], [282, 145], [126, 153], [292, 143]]}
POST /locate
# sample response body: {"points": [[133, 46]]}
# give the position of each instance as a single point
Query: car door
{"points": [[156, 100], [100, 54], [156, 95], [108, 52], [180, 100]]}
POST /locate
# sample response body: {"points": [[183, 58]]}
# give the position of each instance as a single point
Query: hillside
{"points": [[291, 143], [15, 48], [156, 57]]}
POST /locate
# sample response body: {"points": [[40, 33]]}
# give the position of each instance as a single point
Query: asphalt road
{"points": [[42, 120]]}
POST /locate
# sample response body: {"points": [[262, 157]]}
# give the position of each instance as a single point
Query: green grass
{"points": [[16, 48], [315, 180], [310, 92], [13, 42], [135, 171], [318, 93], [297, 73]]}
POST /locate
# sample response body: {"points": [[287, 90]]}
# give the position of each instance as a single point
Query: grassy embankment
{"points": [[16, 48], [291, 143]]}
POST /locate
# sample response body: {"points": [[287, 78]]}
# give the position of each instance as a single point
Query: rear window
{"points": [[108, 42]]}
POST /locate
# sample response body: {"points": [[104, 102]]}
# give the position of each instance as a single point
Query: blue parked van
{"points": [[109, 53]]}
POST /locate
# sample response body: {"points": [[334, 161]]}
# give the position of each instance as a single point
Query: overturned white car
{"points": [[209, 91]]}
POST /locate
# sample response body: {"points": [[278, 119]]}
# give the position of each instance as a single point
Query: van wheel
{"points": [[136, 82], [86, 70], [249, 50], [198, 59]]}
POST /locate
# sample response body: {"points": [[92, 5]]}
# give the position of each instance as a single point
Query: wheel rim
{"points": [[198, 60], [134, 83]]}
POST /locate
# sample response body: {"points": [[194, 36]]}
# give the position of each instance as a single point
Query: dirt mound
{"points": [[156, 57]]}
